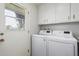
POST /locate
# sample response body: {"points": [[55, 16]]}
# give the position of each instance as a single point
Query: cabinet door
{"points": [[47, 14], [38, 47], [74, 11], [41, 15], [62, 12], [60, 49]]}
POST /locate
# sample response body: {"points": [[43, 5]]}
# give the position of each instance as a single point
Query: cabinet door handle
{"points": [[73, 16], [44, 39], [68, 17]]}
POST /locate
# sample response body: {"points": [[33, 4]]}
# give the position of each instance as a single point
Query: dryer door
{"points": [[60, 49]]}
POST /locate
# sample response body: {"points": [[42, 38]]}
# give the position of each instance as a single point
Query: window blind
{"points": [[15, 8]]}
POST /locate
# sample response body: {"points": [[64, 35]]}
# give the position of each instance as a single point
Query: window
{"points": [[14, 17]]}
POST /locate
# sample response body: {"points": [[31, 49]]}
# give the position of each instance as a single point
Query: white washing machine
{"points": [[54, 43]]}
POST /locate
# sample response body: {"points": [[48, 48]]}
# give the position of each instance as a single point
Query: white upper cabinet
{"points": [[75, 12], [58, 13], [46, 14], [62, 12]]}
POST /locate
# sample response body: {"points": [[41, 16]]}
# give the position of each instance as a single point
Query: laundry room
{"points": [[39, 29], [57, 20]]}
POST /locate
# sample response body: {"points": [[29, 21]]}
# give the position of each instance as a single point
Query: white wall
{"points": [[18, 42]]}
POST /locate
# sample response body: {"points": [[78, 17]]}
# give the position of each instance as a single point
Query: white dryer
{"points": [[54, 43]]}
